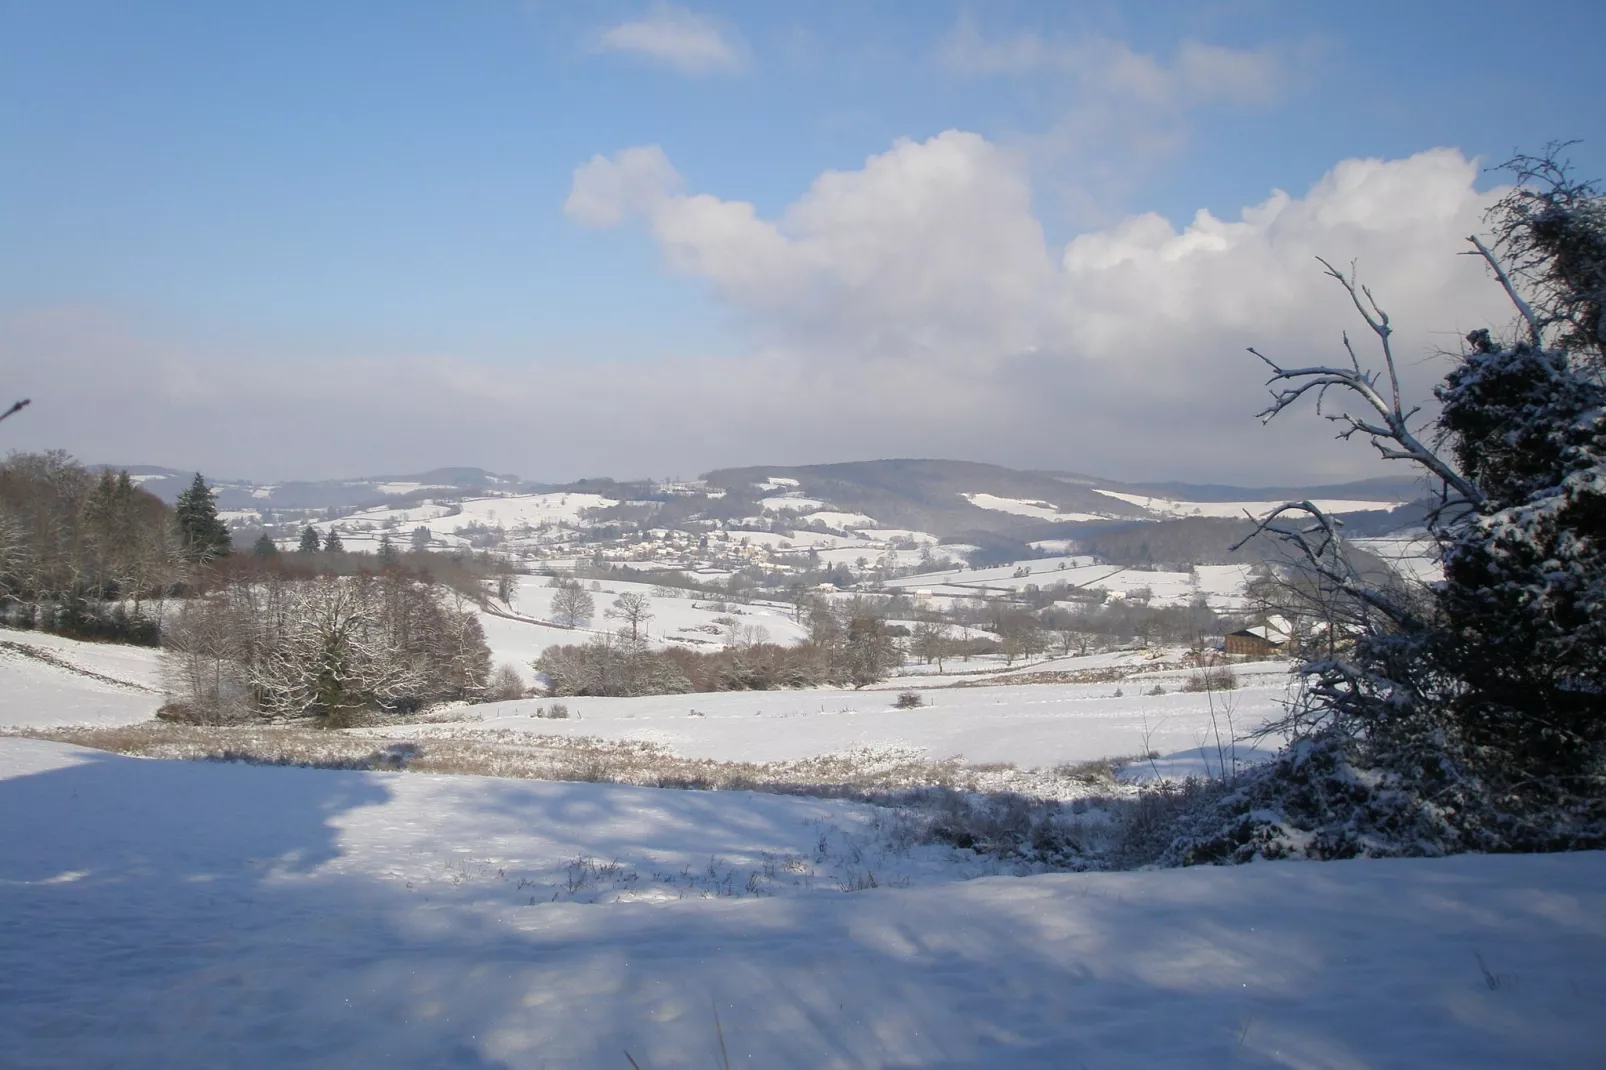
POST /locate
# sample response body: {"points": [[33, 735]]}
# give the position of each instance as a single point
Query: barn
{"points": [[1256, 642]]}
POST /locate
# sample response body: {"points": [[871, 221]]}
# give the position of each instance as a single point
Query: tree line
{"points": [[90, 554]]}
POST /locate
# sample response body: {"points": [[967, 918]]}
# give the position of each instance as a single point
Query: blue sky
{"points": [[205, 186]]}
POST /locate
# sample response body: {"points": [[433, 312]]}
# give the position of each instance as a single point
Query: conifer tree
{"points": [[309, 541], [203, 534], [387, 550], [265, 546], [332, 543]]}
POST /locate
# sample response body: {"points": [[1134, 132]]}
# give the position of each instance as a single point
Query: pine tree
{"points": [[332, 543], [309, 541], [387, 550], [203, 535], [265, 546]]}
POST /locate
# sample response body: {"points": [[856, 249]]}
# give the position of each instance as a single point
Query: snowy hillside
{"points": [[47, 680], [177, 915], [517, 631]]}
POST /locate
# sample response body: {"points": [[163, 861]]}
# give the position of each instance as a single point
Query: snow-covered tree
{"points": [[204, 535]]}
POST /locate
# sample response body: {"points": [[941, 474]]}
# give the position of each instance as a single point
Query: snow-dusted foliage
{"points": [[329, 647], [1472, 715], [1524, 600]]}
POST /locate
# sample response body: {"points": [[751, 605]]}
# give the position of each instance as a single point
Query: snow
{"points": [[893, 534], [794, 504], [1236, 510], [409, 488], [46, 680], [518, 633], [1413, 554], [182, 915], [1021, 507], [1032, 726], [836, 519], [362, 529], [1222, 586]]}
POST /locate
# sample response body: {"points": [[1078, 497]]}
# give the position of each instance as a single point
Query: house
{"points": [[1258, 641]]}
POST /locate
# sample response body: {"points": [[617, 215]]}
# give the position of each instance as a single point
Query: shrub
{"points": [[1216, 678], [909, 700]]}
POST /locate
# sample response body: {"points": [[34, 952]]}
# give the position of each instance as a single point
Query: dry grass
{"points": [[867, 775]]}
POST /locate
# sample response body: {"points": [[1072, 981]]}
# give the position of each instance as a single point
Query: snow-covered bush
{"points": [[331, 647]]}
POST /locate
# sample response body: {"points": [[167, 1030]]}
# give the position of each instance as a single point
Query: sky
{"points": [[307, 240]]}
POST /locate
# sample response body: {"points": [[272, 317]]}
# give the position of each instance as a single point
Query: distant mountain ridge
{"points": [[234, 494], [959, 501]]}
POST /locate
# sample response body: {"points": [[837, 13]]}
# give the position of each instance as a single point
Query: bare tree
{"points": [[572, 604], [929, 640], [635, 610]]}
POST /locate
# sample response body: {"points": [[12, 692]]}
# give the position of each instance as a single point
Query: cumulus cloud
{"points": [[909, 307], [606, 188], [682, 40]]}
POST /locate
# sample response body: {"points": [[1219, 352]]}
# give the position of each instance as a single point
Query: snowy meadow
{"points": [[166, 912]]}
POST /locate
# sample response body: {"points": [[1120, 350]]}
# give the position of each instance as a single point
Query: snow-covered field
{"points": [[1020, 507], [1411, 553], [518, 631], [1032, 726], [46, 680], [1221, 586], [1168, 507], [513, 513], [180, 914]]}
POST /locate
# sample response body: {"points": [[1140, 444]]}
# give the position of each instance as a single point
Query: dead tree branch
{"points": [[1389, 426]]}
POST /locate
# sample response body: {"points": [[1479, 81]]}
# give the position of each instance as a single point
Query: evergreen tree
{"points": [[387, 550], [309, 541], [265, 546], [203, 535], [332, 543], [1524, 596]]}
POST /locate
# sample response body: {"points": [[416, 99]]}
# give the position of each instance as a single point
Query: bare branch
{"points": [[16, 408], [1535, 328], [1392, 434]]}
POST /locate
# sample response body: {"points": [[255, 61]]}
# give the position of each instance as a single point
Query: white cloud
{"points": [[1198, 73], [679, 39], [910, 307], [605, 189], [1109, 113]]}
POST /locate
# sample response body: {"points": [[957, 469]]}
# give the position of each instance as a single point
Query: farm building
{"points": [[1258, 641]]}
